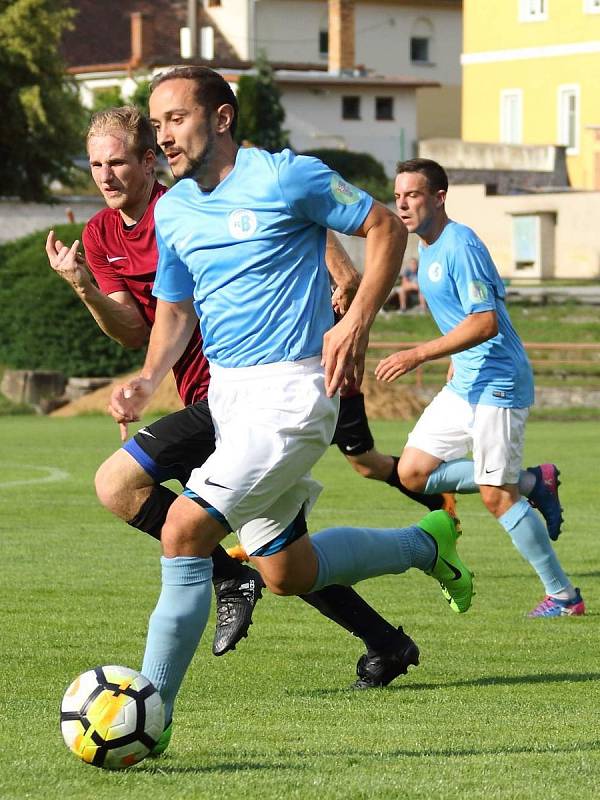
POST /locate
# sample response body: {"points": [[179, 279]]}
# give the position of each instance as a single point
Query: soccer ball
{"points": [[111, 717]]}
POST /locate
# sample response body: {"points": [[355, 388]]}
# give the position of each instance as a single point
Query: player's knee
{"points": [[412, 478], [121, 486], [286, 585], [108, 490]]}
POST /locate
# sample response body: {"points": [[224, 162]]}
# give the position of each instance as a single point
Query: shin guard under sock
{"points": [[344, 606]]}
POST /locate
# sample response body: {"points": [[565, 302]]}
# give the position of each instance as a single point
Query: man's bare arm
{"points": [[117, 315], [173, 326], [345, 345], [344, 274], [473, 330]]}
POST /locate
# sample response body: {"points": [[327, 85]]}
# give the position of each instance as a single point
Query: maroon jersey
{"points": [[124, 260]]}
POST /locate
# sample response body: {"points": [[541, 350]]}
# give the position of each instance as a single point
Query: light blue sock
{"points": [[452, 476], [459, 476], [349, 555], [176, 624], [530, 537]]}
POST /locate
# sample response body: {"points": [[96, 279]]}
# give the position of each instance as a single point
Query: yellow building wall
{"points": [[491, 26]]}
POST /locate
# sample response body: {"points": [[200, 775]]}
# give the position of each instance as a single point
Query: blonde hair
{"points": [[127, 120]]}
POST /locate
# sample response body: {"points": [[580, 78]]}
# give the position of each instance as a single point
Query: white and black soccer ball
{"points": [[111, 717]]}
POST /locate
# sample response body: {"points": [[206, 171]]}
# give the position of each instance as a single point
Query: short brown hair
{"points": [[128, 120], [212, 90], [433, 172]]}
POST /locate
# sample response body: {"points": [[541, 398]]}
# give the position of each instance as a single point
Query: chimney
{"points": [[192, 23], [341, 36], [142, 39]]}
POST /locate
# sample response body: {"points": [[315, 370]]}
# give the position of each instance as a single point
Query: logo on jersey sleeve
{"points": [[242, 223], [344, 192], [434, 273], [478, 291]]}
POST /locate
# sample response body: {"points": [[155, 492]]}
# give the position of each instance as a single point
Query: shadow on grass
{"points": [[170, 767], [493, 680], [355, 756]]}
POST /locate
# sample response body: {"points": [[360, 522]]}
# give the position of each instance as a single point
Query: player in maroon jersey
{"points": [[120, 253]]}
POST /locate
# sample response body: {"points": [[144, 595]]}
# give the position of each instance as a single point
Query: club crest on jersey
{"points": [[344, 192], [478, 291], [242, 223], [434, 272]]}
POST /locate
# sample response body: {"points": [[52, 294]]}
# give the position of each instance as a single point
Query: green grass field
{"points": [[501, 706]]}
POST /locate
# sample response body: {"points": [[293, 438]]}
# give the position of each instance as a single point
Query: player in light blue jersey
{"points": [[484, 406], [242, 243]]}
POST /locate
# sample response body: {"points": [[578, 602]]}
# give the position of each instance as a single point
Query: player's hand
{"points": [[128, 401], [344, 348], [342, 297], [398, 364], [68, 262]]}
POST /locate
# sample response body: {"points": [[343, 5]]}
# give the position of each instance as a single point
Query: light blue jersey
{"points": [[458, 277], [252, 255]]}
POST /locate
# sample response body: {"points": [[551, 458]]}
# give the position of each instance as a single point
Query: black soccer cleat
{"points": [[236, 599], [379, 669]]}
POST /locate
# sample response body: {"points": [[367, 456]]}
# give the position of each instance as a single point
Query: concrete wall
{"points": [[314, 118], [288, 31], [438, 112], [19, 219], [576, 252]]}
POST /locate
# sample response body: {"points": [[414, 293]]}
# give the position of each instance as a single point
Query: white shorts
{"points": [[450, 428], [273, 422]]}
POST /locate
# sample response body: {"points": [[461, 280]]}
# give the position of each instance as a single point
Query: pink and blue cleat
{"points": [[553, 607], [544, 497]]}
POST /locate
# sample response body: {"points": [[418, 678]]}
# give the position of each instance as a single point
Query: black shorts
{"points": [[176, 444], [352, 434]]}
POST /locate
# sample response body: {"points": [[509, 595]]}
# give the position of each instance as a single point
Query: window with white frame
{"points": [[568, 117], [207, 42], [421, 42], [591, 6], [533, 10], [511, 116]]}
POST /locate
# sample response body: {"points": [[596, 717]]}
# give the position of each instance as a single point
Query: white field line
{"points": [[53, 474]]}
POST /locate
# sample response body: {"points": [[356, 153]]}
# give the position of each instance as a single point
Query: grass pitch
{"points": [[501, 706]]}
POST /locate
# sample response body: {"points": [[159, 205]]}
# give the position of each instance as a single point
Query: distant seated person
{"points": [[401, 296]]}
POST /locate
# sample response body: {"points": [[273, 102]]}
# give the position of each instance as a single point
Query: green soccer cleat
{"points": [[455, 578], [162, 744]]}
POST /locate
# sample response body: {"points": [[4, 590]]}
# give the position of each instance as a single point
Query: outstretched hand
{"points": [[128, 401], [398, 364], [68, 262], [344, 348]]}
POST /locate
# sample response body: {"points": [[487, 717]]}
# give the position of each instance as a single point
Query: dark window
{"points": [[350, 107], [419, 49], [323, 43], [384, 108]]}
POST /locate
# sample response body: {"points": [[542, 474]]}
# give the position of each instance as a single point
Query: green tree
{"points": [[261, 112], [108, 97], [42, 120], [43, 324], [141, 96]]}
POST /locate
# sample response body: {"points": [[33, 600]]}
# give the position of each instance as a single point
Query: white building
{"points": [[368, 76]]}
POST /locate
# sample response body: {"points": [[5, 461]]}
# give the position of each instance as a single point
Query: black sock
{"points": [[153, 513], [347, 608], [225, 567], [431, 501], [151, 518]]}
